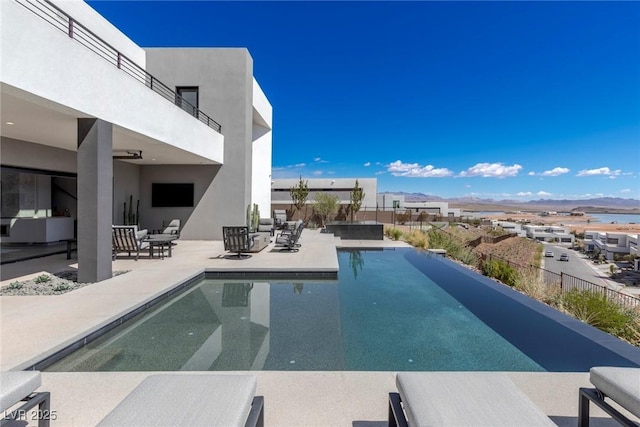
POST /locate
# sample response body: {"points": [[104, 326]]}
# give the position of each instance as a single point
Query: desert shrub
{"points": [[15, 285], [467, 257], [502, 271], [62, 287], [393, 233], [43, 278], [597, 310], [417, 239]]}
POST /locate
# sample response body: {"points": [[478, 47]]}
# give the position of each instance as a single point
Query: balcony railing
{"points": [[65, 23]]}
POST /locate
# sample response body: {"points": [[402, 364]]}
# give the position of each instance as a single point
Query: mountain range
{"points": [[581, 204]]}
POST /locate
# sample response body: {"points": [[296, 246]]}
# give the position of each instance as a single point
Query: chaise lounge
{"points": [[461, 399], [190, 400], [17, 386], [620, 385]]}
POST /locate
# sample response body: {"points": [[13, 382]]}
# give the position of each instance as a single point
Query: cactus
{"points": [[255, 218], [128, 217], [248, 218]]}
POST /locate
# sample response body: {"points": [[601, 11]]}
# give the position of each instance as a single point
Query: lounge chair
{"points": [[172, 228], [290, 238], [266, 225], [621, 385], [461, 399], [127, 238], [17, 386], [279, 217], [190, 400], [238, 240]]}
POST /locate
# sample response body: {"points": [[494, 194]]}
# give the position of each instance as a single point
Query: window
{"points": [[187, 99]]}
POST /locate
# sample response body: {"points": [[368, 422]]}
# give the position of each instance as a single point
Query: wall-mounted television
{"points": [[171, 195]]}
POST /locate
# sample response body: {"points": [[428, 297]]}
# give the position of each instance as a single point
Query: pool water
{"points": [[390, 310]]}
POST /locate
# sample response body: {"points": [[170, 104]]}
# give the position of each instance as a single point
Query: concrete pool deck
{"points": [[32, 327]]}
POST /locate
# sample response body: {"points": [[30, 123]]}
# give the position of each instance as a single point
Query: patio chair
{"points": [[266, 225], [237, 239], [190, 400], [127, 238], [461, 399], [620, 385], [279, 217], [290, 239], [20, 386], [172, 228]]}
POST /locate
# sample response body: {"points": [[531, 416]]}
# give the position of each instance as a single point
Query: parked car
{"points": [[548, 254], [564, 257]]}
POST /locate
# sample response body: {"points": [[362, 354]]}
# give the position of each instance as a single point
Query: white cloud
{"points": [[320, 160], [543, 194], [414, 170], [612, 177], [626, 190], [491, 170], [380, 173], [367, 164], [531, 174], [599, 171], [467, 186], [317, 173], [555, 172], [524, 194]]}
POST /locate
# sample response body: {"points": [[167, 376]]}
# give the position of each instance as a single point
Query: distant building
{"points": [[611, 244], [397, 201], [549, 233], [340, 187]]}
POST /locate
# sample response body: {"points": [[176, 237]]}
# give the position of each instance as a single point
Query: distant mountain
{"points": [[581, 204]]}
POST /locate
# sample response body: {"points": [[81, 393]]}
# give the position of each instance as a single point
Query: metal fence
{"points": [[78, 32], [566, 283]]}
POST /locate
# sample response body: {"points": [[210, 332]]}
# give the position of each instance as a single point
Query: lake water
{"points": [[618, 218]]}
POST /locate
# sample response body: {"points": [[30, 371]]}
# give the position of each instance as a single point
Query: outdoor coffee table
{"points": [[160, 241]]}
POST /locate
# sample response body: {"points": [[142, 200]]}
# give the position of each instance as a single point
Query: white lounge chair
{"points": [[621, 385], [175, 400], [17, 386], [461, 399]]}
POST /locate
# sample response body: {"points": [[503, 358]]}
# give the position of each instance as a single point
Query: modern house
{"points": [[549, 233], [610, 244], [388, 201], [91, 121]]}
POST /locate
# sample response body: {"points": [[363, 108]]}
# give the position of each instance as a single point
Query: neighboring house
{"points": [[90, 121], [549, 233], [610, 244], [511, 227], [388, 201], [340, 187]]}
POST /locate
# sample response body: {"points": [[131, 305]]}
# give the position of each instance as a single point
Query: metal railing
{"points": [[566, 282], [78, 32]]}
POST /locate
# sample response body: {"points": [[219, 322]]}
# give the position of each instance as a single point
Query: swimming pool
{"points": [[390, 310]]}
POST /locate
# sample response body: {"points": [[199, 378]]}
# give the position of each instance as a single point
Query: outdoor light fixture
{"points": [[131, 155]]}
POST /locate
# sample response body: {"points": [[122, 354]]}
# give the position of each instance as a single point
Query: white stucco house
{"points": [[90, 120], [549, 233], [339, 187], [611, 244]]}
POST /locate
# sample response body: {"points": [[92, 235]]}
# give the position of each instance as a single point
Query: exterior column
{"points": [[95, 199]]}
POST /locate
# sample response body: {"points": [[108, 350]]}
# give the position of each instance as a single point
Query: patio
{"points": [[33, 326]]}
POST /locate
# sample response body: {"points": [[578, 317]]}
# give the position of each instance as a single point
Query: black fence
{"points": [[566, 283]]}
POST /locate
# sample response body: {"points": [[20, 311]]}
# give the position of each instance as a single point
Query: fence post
{"points": [[561, 280]]}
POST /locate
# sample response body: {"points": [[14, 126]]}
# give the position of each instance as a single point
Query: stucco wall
{"points": [[225, 81]]}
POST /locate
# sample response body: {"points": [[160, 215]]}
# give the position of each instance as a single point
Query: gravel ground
{"points": [[47, 284]]}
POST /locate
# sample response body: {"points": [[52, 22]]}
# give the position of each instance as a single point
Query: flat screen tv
{"points": [[172, 195]]}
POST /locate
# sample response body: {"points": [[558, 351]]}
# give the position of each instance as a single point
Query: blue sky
{"points": [[515, 100]]}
